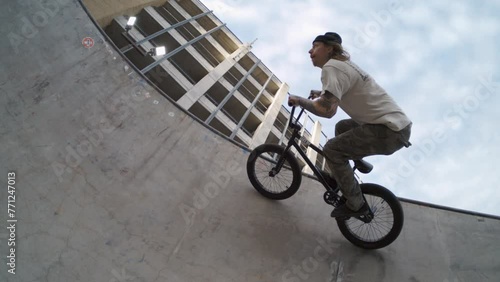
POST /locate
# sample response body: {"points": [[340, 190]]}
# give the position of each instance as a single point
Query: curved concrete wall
{"points": [[115, 183]]}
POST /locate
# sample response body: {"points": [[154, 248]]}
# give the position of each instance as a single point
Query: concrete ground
{"points": [[115, 183]]}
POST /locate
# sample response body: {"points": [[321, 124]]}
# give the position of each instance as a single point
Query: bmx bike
{"points": [[275, 173]]}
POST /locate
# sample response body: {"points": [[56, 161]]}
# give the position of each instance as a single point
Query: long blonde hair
{"points": [[338, 52]]}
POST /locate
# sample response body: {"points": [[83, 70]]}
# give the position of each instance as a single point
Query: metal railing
{"points": [[227, 114], [188, 35], [181, 70], [160, 32], [180, 48], [204, 8]]}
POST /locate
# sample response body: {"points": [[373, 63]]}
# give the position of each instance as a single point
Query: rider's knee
{"points": [[343, 126]]}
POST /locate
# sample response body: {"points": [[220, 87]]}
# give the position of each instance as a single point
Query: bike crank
{"points": [[332, 198]]}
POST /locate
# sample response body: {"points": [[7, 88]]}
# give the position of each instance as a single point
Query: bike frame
{"points": [[292, 143]]}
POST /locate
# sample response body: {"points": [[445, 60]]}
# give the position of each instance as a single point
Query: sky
{"points": [[439, 60]]}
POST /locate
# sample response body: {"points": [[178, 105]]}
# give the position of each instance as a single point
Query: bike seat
{"points": [[363, 166]]}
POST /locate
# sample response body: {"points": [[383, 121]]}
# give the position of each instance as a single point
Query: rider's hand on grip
{"points": [[293, 100]]}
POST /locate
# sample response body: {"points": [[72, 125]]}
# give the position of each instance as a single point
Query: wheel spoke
{"points": [[379, 227], [274, 184]]}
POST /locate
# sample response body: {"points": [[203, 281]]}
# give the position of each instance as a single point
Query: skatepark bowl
{"points": [[115, 182]]}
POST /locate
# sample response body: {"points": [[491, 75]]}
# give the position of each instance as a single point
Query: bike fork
{"points": [[281, 161], [368, 217]]}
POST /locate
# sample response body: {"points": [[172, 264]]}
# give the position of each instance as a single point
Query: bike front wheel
{"points": [[272, 182], [386, 224]]}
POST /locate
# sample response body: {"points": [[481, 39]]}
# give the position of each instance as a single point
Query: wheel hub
{"points": [[366, 218]]}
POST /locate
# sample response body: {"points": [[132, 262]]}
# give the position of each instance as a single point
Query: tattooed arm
{"points": [[325, 106]]}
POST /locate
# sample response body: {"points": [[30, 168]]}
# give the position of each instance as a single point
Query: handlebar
{"points": [[293, 111]]}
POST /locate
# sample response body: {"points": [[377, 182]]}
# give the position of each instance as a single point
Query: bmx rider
{"points": [[377, 125]]}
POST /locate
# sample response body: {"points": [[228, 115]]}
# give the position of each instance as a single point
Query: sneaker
{"points": [[344, 211]]}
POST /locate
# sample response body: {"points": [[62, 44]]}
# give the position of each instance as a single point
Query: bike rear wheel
{"points": [[386, 224], [261, 165]]}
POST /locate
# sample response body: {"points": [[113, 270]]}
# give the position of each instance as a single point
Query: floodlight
{"points": [[158, 51], [130, 23]]}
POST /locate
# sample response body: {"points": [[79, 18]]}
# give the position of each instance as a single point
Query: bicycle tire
{"points": [[281, 186], [386, 224]]}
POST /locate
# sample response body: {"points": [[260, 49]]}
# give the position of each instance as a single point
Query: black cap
{"points": [[329, 37]]}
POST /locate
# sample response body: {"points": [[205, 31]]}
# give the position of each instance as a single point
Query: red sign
{"points": [[88, 42]]}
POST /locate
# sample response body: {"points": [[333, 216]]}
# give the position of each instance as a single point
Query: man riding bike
{"points": [[377, 126]]}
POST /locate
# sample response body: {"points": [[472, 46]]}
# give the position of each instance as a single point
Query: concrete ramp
{"points": [[114, 183]]}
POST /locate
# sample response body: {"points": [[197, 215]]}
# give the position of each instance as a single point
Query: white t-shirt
{"points": [[360, 96]]}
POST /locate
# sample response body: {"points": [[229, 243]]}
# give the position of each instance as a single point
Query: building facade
{"points": [[209, 72]]}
